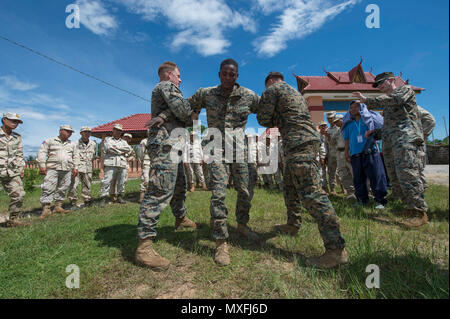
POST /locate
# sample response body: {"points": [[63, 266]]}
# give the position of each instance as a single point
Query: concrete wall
{"points": [[437, 154]]}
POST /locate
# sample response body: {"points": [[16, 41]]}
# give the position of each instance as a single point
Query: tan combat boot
{"points": [[245, 231], [45, 211], [203, 186], [147, 256], [287, 229], [191, 188], [141, 197], [184, 223], [59, 209], [113, 199], [330, 259], [417, 218], [333, 192], [221, 257], [14, 222]]}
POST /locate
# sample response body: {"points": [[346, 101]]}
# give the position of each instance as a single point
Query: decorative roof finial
{"points": [[361, 61]]}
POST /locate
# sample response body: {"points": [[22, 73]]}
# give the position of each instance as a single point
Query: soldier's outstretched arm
{"points": [[398, 97], [266, 108]]}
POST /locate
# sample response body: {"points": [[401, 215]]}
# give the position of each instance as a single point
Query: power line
{"points": [[72, 68]]}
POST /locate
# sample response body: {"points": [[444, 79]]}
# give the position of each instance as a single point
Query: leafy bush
{"points": [[96, 174], [31, 178]]}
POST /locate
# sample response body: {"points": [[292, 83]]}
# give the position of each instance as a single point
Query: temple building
{"points": [[133, 124], [333, 91]]}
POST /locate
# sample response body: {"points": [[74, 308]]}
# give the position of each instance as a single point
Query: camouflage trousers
{"points": [[86, 180], [404, 165], [55, 185], [206, 175], [13, 186], [167, 184], [345, 173], [332, 168], [194, 169], [113, 181], [323, 174], [303, 186], [145, 176], [253, 177], [219, 179], [423, 160]]}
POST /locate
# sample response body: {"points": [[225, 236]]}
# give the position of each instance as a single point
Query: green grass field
{"points": [[102, 242]]}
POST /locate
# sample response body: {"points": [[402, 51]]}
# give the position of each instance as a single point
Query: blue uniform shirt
{"points": [[351, 132]]}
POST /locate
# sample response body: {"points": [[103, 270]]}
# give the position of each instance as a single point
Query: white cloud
{"points": [[298, 19], [14, 84], [95, 17], [202, 23]]}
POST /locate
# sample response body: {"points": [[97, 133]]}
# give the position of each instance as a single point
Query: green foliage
{"points": [[31, 178], [96, 174]]}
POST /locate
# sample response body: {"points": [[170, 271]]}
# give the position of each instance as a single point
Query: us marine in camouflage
{"points": [[167, 183], [332, 152], [86, 149], [12, 164], [402, 140], [428, 124], [227, 108], [284, 107], [58, 161]]}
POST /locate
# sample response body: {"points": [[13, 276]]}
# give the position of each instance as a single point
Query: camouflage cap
{"points": [[118, 127], [321, 123], [85, 129], [331, 114], [12, 116], [380, 78], [127, 135], [66, 127], [338, 117]]}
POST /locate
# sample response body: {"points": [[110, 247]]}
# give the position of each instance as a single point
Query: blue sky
{"points": [[124, 42]]}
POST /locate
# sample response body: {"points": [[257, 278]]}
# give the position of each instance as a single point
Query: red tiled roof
{"points": [[271, 132], [342, 81], [132, 123]]}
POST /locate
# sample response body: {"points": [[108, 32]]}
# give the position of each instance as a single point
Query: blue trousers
{"points": [[369, 165]]}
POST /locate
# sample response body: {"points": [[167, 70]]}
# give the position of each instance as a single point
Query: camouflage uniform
{"points": [[344, 168], [144, 158], [60, 158], [227, 112], [195, 168], [332, 157], [86, 153], [284, 107], [167, 183], [115, 154], [428, 124], [323, 155], [12, 164], [402, 140]]}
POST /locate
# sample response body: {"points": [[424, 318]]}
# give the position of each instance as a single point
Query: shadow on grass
{"points": [[123, 237], [407, 276]]}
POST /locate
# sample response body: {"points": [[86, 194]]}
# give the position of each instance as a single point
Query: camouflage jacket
{"points": [[401, 116], [337, 140], [58, 155], [12, 161], [284, 107], [115, 152], [226, 112], [427, 120], [142, 153], [86, 153], [334, 137], [168, 103]]}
